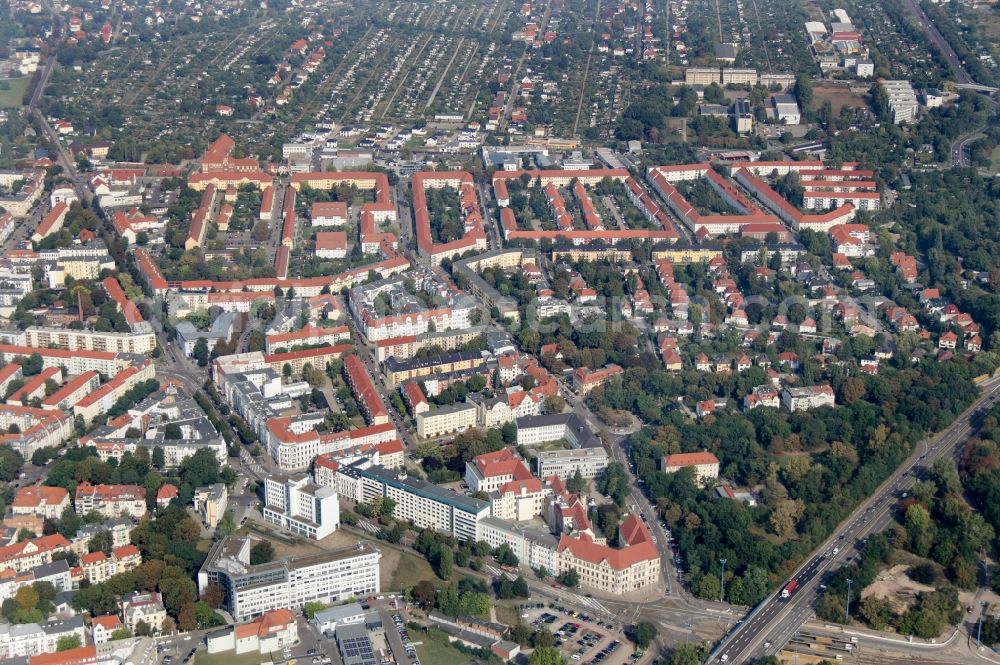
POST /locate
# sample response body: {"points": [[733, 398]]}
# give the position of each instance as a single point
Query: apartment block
{"points": [[297, 504]]}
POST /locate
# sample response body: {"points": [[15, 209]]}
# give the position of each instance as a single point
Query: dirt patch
{"points": [[839, 97], [896, 587]]}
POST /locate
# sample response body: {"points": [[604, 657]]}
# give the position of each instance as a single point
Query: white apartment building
{"points": [[902, 100], [31, 639], [110, 500], [251, 590], [807, 397], [446, 420], [297, 504], [142, 342]]}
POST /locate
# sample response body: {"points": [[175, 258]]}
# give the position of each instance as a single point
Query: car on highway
{"points": [[724, 658]]}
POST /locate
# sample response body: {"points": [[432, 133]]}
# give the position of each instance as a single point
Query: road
{"points": [[775, 620], [961, 76]]}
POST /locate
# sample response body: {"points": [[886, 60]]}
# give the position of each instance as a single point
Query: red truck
{"points": [[789, 589]]}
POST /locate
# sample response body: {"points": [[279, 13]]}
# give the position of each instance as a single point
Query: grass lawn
{"points": [[406, 570], [508, 614], [228, 658], [10, 99], [436, 650]]}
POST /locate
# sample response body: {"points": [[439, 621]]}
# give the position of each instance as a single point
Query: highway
{"points": [[767, 628], [961, 76]]}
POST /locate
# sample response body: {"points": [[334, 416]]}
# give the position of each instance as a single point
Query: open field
{"points": [[839, 97], [402, 569], [12, 98], [434, 648]]}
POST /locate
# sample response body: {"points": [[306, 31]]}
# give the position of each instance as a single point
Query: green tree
{"points": [[643, 633], [101, 541], [311, 608], [444, 563], [569, 578], [67, 642], [122, 633], [159, 457], [546, 656], [262, 552], [685, 654], [201, 352], [11, 462], [576, 484]]}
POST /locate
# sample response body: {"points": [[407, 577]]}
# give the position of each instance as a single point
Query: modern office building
{"points": [[251, 590]]}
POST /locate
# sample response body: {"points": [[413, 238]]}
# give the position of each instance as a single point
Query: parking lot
{"points": [[582, 638]]}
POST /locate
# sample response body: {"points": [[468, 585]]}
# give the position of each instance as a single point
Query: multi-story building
{"points": [[110, 500], [251, 590], [398, 371], [31, 640], [210, 503], [98, 567], [632, 567], [101, 400], [424, 504], [297, 504], [902, 100], [807, 397], [490, 471], [29, 554], [702, 75], [705, 465], [146, 607], [92, 340], [737, 76], [40, 500], [585, 380], [365, 393], [446, 420], [274, 631], [534, 430], [590, 462]]}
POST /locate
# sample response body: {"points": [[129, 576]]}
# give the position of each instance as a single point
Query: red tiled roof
{"points": [[689, 459]]}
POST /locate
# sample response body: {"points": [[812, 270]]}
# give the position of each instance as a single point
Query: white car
{"points": [[724, 658]]}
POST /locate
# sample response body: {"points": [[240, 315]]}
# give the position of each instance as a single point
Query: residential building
{"points": [[446, 420], [210, 503], [902, 100], [40, 500], [807, 397], [144, 606], [28, 641], [297, 504], [110, 500]]}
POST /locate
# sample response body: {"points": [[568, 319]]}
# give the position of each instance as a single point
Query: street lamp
{"points": [[847, 608], [722, 581]]}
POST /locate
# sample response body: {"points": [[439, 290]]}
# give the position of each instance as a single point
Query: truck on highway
{"points": [[789, 589]]}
